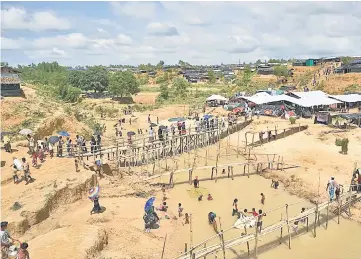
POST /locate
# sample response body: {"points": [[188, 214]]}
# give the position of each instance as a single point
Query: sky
{"points": [[103, 33]]}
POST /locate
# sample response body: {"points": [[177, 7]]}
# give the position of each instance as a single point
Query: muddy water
{"points": [[339, 241]]}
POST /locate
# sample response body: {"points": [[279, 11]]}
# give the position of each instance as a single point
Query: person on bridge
{"points": [[331, 186]]}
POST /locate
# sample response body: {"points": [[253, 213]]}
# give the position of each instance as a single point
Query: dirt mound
{"points": [[65, 194], [58, 123], [81, 242], [338, 84]]}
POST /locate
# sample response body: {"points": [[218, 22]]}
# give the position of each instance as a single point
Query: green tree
{"points": [[211, 77], [346, 60], [280, 71], [144, 79], [96, 78], [180, 87], [258, 62], [164, 91], [123, 83], [160, 64]]}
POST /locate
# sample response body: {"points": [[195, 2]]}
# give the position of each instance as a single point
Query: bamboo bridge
{"points": [[143, 151]]}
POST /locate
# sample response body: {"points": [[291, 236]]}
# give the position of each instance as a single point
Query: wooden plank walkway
{"points": [[346, 199]]}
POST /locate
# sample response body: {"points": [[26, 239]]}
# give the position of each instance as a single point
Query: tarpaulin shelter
{"points": [[216, 97]]}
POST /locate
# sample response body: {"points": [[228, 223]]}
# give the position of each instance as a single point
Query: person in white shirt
{"points": [[151, 134]]}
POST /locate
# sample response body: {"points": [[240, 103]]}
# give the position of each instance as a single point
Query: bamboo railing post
{"points": [[245, 231], [349, 205], [165, 239], [185, 247], [256, 241], [281, 231], [288, 228], [204, 246], [315, 223], [307, 223], [328, 208], [191, 236], [222, 238], [339, 211]]}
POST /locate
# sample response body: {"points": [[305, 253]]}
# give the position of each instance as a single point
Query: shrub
{"points": [[292, 120], [343, 143]]}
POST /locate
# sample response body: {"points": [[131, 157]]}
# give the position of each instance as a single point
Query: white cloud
{"points": [[19, 19], [10, 44], [199, 32], [51, 54], [137, 10], [162, 29]]}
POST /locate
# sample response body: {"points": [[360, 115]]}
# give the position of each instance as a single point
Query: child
{"points": [[209, 197], [260, 220], [254, 213], [263, 198], [196, 182], [223, 171], [200, 197], [186, 219], [235, 207], [35, 159], [76, 165], [23, 253], [15, 175], [41, 154], [163, 191], [180, 209], [51, 150]]}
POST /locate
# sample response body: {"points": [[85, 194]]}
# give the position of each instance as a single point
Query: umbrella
{"points": [[53, 139], [207, 116], [173, 119], [94, 192], [63, 133], [25, 131], [131, 133], [181, 119], [236, 110], [149, 204]]}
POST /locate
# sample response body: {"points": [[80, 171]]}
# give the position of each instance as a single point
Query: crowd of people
{"points": [[7, 244]]}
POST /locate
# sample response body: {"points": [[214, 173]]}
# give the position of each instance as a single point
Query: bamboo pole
{"points": [[165, 239], [281, 231], [339, 211], [288, 228], [204, 246], [328, 208], [315, 224], [245, 231], [191, 236], [256, 241], [222, 238]]}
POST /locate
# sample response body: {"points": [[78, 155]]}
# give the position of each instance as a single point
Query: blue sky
{"points": [[90, 33]]}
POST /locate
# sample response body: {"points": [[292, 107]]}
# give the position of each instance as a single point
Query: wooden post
{"points": [[315, 225], [307, 223], [349, 205], [281, 232], [185, 248], [245, 231], [288, 228], [256, 241], [222, 238], [191, 236], [328, 208], [204, 246], [165, 239], [339, 211]]}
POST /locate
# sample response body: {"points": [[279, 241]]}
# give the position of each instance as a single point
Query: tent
{"points": [[216, 97]]}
